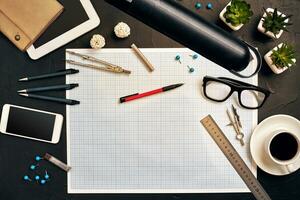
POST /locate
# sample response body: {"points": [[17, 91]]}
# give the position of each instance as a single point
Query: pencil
{"points": [[47, 98], [55, 74], [50, 88], [142, 57]]}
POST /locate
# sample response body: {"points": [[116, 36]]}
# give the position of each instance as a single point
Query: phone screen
{"points": [[30, 123]]}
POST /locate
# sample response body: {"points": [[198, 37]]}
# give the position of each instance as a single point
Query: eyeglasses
{"points": [[221, 88]]}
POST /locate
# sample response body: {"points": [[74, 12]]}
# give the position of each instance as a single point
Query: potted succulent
{"points": [[281, 58], [236, 14], [273, 23]]}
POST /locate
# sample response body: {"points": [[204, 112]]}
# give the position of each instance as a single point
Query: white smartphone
{"points": [[31, 123]]}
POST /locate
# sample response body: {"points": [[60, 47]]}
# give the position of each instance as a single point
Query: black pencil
{"points": [[50, 88], [55, 74], [55, 99]]}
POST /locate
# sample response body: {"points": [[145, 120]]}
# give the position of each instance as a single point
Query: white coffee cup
{"points": [[288, 164]]}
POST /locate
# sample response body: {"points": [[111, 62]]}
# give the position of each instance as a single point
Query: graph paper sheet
{"points": [[155, 144]]}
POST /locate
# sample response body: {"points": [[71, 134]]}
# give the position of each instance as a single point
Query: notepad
{"points": [[154, 144], [17, 17]]}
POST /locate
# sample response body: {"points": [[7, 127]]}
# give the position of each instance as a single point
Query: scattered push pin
{"points": [[26, 178], [178, 58], [37, 177], [191, 69], [38, 158], [198, 5], [209, 6], [46, 175], [33, 167], [43, 182], [194, 56]]}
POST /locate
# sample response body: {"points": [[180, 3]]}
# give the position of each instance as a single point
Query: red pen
{"points": [[138, 96]]}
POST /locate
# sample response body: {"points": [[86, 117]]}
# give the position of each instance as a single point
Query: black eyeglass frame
{"points": [[235, 86]]}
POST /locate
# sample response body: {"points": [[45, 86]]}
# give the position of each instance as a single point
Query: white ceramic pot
{"points": [[261, 29], [273, 67], [221, 16]]}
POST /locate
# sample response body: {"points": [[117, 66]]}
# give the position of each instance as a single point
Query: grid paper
{"points": [[154, 144]]}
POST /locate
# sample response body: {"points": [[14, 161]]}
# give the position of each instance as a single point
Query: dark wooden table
{"points": [[17, 154]]}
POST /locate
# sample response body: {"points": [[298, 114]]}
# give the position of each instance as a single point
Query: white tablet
{"points": [[92, 21]]}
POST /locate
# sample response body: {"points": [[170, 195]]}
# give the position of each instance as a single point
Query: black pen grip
{"points": [[123, 99]]}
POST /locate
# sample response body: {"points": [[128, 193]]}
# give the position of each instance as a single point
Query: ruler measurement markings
{"points": [[234, 158]]}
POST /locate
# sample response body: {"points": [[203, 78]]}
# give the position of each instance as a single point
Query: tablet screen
{"points": [[72, 16]]}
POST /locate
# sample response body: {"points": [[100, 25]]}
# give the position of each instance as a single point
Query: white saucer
{"points": [[259, 135]]}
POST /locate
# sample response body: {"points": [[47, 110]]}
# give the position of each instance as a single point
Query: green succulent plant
{"points": [[275, 22], [238, 12], [284, 56]]}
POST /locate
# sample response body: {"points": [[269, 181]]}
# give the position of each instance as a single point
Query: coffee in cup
{"points": [[284, 148]]}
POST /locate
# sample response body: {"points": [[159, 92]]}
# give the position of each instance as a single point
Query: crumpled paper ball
{"points": [[122, 30], [97, 41]]}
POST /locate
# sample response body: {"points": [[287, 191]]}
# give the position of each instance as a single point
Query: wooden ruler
{"points": [[234, 158]]}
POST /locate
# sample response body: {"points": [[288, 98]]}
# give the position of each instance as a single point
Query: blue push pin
{"points": [[43, 182], [46, 175], [37, 177], [26, 178], [198, 5], [177, 58], [195, 56], [209, 6], [33, 167], [191, 69], [38, 158]]}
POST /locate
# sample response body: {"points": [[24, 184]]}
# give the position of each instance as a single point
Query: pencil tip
{"points": [[21, 91], [23, 79], [23, 94]]}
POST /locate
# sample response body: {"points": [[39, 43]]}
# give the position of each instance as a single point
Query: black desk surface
{"points": [[17, 154]]}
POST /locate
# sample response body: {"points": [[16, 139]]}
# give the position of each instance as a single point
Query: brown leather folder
{"points": [[23, 21]]}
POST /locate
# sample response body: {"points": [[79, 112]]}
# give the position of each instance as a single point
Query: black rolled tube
{"points": [[189, 29]]}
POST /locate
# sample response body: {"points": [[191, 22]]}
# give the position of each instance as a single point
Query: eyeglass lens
{"points": [[217, 90], [248, 98], [252, 98]]}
